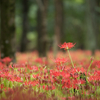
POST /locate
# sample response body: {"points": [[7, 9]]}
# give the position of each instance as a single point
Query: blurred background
{"points": [[28, 25]]}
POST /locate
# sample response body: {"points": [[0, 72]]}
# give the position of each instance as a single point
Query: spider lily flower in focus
{"points": [[66, 46]]}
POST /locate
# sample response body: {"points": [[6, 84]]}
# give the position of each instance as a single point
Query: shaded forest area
{"points": [[27, 25]]}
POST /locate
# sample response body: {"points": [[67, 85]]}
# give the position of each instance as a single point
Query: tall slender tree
{"points": [[24, 25], [98, 22], [0, 30], [42, 27], [92, 25], [59, 21], [7, 28]]}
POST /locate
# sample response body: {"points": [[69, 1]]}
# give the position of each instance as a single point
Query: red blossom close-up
{"points": [[66, 46]]}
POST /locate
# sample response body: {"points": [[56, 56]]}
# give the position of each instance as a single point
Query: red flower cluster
{"points": [[62, 77], [60, 61], [68, 45], [6, 60]]}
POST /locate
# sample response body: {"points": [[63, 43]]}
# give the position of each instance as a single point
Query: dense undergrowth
{"points": [[73, 75]]}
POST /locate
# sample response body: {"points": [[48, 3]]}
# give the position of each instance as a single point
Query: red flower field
{"points": [[73, 75]]}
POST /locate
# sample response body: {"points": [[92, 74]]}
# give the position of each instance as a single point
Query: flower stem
{"points": [[70, 58], [89, 66]]}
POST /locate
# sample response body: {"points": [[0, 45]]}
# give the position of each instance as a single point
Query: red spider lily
{"points": [[60, 61], [56, 73], [33, 83], [39, 60], [72, 83], [35, 68], [1, 65], [96, 63], [18, 79], [10, 66], [43, 86], [35, 76], [66, 84], [95, 76], [2, 86], [6, 60], [68, 45]]}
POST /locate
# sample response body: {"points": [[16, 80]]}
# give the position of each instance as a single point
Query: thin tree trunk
{"points": [[7, 28], [24, 26], [0, 30], [92, 26], [42, 28], [98, 23], [58, 24]]}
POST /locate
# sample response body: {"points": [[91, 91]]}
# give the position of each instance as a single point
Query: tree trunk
{"points": [[24, 26], [59, 21], [0, 30], [42, 28], [7, 28], [98, 23], [92, 26]]}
